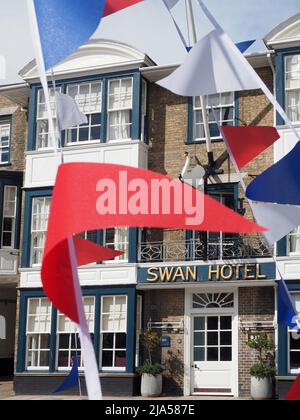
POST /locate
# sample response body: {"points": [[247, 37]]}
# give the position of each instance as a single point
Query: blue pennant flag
{"points": [[64, 25], [286, 309], [279, 184], [72, 380], [245, 45]]}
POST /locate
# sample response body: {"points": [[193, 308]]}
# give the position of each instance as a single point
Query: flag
{"points": [[84, 209], [113, 6], [294, 392], [280, 183], [246, 143], [245, 45], [64, 25], [68, 113], [211, 67], [169, 5], [72, 380], [286, 308], [279, 219]]}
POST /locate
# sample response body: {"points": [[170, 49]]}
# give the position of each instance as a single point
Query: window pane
{"points": [[294, 343], [199, 354], [120, 341], [199, 324], [199, 339], [212, 339], [107, 359], [212, 323], [295, 359], [226, 354], [212, 354], [226, 323], [108, 341], [226, 339], [120, 359]]}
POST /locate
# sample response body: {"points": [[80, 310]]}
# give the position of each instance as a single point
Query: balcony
{"points": [[237, 248]]}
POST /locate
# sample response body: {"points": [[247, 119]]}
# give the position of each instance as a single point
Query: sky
{"points": [[148, 27]]}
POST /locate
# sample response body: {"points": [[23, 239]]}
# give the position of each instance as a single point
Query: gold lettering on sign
{"points": [[259, 275], [166, 274], [227, 269], [191, 273], [152, 272], [214, 272], [179, 274], [249, 272], [238, 271]]}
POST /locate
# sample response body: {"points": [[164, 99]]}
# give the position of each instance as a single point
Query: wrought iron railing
{"points": [[240, 247]]}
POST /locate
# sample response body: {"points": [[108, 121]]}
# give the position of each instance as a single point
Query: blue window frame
{"points": [[98, 121], [98, 293], [5, 139], [226, 108]]}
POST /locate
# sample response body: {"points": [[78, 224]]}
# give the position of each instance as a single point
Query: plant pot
{"points": [[261, 389], [151, 386]]}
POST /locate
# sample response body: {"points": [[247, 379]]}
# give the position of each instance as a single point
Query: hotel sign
{"points": [[206, 273]]}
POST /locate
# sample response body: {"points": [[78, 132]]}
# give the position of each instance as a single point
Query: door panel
{"points": [[212, 369]]}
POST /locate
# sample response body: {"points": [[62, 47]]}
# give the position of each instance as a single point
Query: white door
{"points": [[212, 354]]}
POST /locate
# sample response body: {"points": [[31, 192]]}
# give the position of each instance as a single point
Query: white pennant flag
{"points": [[68, 113], [210, 68], [279, 219]]}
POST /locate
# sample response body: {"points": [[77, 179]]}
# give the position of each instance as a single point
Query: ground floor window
{"points": [[38, 333], [113, 332], [68, 342], [294, 342]]}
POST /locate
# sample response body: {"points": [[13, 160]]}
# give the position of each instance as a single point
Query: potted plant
{"points": [[263, 372], [151, 372]]}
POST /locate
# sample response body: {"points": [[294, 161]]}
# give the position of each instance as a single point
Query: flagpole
{"points": [[88, 351], [203, 99]]}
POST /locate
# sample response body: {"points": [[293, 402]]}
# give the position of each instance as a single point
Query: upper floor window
{"points": [[5, 133], [294, 241], [120, 103], [223, 107], [40, 215], [9, 216], [292, 87], [43, 134], [89, 100], [118, 239]]}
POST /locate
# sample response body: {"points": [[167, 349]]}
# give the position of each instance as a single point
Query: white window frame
{"points": [[39, 334], [118, 110], [218, 109], [144, 103], [289, 247], [102, 332], [139, 327], [13, 232], [72, 330], [118, 245], [42, 232], [288, 90], [89, 125], [5, 125], [289, 331], [38, 119]]}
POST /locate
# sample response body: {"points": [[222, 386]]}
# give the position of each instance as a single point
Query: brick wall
{"points": [[167, 306], [255, 304]]}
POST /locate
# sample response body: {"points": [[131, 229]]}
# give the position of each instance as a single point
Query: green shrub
{"points": [[262, 371], [150, 369]]}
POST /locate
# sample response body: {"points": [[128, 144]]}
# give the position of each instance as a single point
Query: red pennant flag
{"points": [[246, 143], [294, 393], [113, 6], [87, 252], [91, 196]]}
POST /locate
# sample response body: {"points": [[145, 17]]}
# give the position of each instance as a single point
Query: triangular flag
{"points": [[245, 45], [294, 392], [64, 25], [286, 308], [101, 196], [279, 219], [246, 143], [171, 3], [72, 380], [211, 67], [279, 184], [87, 252], [68, 113], [113, 6]]}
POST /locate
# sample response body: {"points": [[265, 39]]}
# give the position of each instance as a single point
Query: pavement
{"points": [[7, 394]]}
